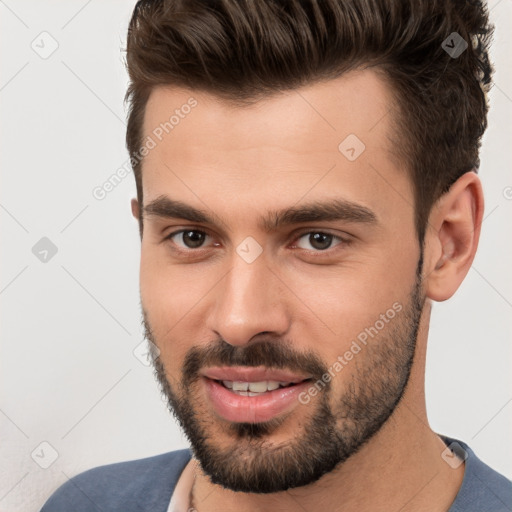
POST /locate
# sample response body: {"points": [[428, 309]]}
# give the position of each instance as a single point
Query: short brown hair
{"points": [[243, 50]]}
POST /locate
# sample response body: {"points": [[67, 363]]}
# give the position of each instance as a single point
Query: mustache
{"points": [[271, 354]]}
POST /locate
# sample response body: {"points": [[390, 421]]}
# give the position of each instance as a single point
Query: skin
{"points": [[238, 163]]}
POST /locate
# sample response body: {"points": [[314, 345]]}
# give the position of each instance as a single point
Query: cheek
{"points": [[355, 306], [173, 298], [351, 299], [169, 291]]}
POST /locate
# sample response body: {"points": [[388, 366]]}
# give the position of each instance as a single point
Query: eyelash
{"points": [[342, 241]]}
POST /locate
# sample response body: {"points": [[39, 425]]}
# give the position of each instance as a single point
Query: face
{"points": [[279, 276]]}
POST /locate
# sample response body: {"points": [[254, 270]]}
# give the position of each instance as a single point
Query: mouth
{"points": [[255, 388], [253, 375], [241, 394]]}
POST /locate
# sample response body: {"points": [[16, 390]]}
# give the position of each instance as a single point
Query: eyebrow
{"points": [[317, 211]]}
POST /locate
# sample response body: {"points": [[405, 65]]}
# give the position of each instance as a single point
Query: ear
{"points": [[452, 236], [136, 213], [135, 209]]}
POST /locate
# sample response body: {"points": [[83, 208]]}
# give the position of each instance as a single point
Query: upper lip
{"points": [[252, 374]]}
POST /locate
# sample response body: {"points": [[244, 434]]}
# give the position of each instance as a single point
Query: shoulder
{"points": [[483, 488], [135, 485]]}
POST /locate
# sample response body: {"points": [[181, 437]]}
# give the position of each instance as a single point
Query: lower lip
{"points": [[252, 409]]}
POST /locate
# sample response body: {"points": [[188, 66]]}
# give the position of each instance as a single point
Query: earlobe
{"points": [[454, 231]]}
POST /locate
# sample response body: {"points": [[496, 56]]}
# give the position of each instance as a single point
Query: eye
{"points": [[188, 238], [319, 240], [194, 239]]}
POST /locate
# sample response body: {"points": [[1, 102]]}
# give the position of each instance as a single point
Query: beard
{"points": [[337, 425]]}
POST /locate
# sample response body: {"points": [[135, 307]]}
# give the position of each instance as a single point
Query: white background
{"points": [[69, 326]]}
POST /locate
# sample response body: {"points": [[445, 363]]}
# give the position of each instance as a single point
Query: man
{"points": [[306, 187]]}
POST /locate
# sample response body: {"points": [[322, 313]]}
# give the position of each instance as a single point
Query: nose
{"points": [[249, 300]]}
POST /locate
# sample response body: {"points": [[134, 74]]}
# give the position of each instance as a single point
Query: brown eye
{"points": [[188, 238], [318, 240]]}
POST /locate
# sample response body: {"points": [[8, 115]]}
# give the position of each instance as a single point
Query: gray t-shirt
{"points": [[147, 485]]}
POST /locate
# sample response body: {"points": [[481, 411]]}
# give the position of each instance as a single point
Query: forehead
{"points": [[332, 135], [356, 102]]}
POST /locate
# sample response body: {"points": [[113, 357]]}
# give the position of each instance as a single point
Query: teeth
{"points": [[240, 386], [258, 387], [253, 388]]}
